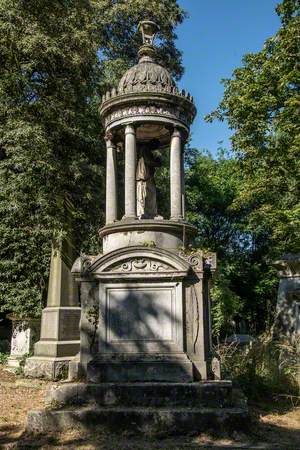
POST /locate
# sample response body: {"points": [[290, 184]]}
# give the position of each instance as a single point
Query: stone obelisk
{"points": [[59, 340]]}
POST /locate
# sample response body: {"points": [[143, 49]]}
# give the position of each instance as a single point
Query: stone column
{"points": [[111, 181], [130, 173], [176, 175], [182, 183]]}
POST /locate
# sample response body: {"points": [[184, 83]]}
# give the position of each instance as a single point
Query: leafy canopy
{"points": [[262, 104], [57, 58]]}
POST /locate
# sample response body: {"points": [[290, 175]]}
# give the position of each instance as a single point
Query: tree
{"points": [[261, 104], [245, 286], [57, 58]]}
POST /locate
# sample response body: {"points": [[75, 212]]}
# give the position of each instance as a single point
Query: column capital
{"points": [[109, 137], [129, 129], [176, 132]]}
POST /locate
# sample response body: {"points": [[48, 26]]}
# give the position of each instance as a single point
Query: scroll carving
{"points": [[195, 260], [141, 265]]}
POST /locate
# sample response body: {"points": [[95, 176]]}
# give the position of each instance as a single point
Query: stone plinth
{"points": [[166, 234], [25, 332], [145, 315]]}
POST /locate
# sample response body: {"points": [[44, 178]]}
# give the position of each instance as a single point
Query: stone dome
{"points": [[147, 75]]}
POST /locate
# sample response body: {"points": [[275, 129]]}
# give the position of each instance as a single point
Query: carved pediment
{"points": [[141, 265], [132, 261]]}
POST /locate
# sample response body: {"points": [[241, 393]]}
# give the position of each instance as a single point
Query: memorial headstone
{"points": [[25, 332], [288, 297]]}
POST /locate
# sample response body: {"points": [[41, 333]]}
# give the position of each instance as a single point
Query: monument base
{"points": [[58, 345], [140, 368], [49, 368], [146, 408]]}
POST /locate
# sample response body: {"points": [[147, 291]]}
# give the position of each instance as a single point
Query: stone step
{"points": [[124, 371], [215, 394], [162, 421]]}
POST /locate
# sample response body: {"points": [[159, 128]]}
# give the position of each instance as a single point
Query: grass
{"points": [[266, 369]]}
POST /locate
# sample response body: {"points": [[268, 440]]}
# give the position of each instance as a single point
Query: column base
{"points": [[177, 218], [129, 218]]}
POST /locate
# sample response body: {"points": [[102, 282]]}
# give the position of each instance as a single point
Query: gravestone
{"points": [[288, 297], [25, 332]]}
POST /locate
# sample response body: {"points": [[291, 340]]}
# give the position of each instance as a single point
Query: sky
{"points": [[213, 40]]}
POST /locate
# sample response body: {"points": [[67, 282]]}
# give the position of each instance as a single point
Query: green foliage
{"points": [[211, 186], [267, 368], [225, 305], [3, 358], [261, 104], [246, 205], [245, 287], [57, 58]]}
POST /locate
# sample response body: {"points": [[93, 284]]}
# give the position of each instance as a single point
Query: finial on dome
{"points": [[149, 30]]}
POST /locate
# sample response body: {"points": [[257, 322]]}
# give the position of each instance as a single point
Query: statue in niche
{"points": [[145, 183]]}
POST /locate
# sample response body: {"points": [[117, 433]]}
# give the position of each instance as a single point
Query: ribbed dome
{"points": [[147, 75]]}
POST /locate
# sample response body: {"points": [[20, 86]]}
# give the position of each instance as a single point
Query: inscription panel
{"points": [[140, 318], [140, 314], [69, 325]]}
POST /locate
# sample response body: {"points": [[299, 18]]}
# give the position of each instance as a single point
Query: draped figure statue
{"points": [[145, 183]]}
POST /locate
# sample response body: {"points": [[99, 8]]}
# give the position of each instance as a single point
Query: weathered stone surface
{"points": [[140, 371], [214, 394], [147, 408], [124, 312], [288, 297], [165, 234], [147, 421], [59, 340], [25, 333], [47, 368]]}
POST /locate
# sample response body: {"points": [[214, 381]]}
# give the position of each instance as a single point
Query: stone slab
{"points": [[147, 421], [101, 372], [47, 368], [48, 348], [217, 394]]}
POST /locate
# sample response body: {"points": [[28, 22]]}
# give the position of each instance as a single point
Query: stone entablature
{"points": [[176, 107]]}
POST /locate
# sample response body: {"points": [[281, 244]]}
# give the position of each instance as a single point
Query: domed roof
{"points": [[147, 75]]}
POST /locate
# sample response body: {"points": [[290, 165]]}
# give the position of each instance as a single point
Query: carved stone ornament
{"points": [[195, 260], [86, 262], [146, 76], [153, 110], [210, 261], [141, 265]]}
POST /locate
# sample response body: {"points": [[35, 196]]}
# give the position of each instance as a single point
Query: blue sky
{"points": [[213, 40]]}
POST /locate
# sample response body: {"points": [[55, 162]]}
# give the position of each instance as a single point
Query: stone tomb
{"points": [[152, 319], [145, 338]]}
